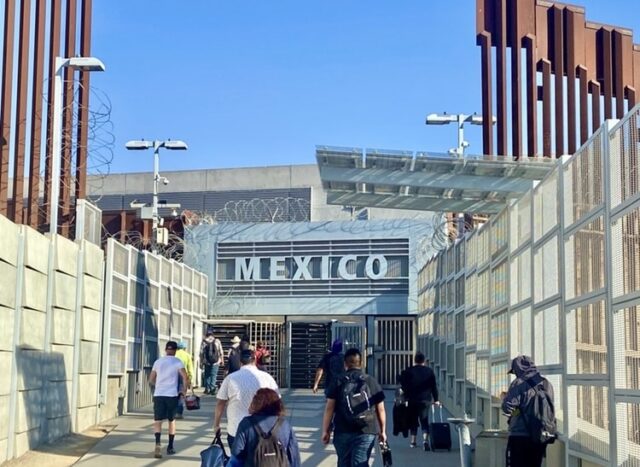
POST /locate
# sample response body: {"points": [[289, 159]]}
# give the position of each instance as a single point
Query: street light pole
{"points": [[460, 120], [60, 63], [174, 145]]}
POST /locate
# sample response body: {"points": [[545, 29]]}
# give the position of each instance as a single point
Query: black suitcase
{"points": [[439, 432]]}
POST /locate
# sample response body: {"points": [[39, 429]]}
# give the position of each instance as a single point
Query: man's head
{"points": [[182, 345], [171, 348], [336, 347], [352, 359], [247, 357], [419, 359], [522, 366], [235, 341], [209, 336]]}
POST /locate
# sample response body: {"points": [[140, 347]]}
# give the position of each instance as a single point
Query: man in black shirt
{"points": [[420, 389], [331, 365], [355, 424]]}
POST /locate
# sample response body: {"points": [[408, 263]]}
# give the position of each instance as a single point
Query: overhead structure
{"points": [[425, 181]]}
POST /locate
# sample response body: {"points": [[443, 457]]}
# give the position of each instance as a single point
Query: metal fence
{"points": [[149, 300], [556, 275]]}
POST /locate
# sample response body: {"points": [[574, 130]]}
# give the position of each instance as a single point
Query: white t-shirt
{"points": [[238, 389], [167, 370]]}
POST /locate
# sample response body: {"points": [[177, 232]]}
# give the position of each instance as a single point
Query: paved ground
{"points": [[131, 442]]}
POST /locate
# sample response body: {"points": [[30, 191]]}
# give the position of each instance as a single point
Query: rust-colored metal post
{"points": [[532, 96], [596, 120], [123, 226], [5, 107], [36, 114], [484, 39], [546, 107], [607, 73], [557, 66], [618, 78], [83, 103], [501, 77], [584, 104], [67, 120], [54, 51], [516, 84], [631, 96], [21, 113]]}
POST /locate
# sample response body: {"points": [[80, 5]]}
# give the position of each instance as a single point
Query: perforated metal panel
{"points": [[583, 181], [520, 279], [520, 222], [545, 274], [587, 347], [627, 348], [499, 333], [625, 240], [499, 233], [499, 377], [545, 205], [500, 285], [589, 420], [628, 434], [547, 336], [584, 260], [624, 166], [520, 336], [482, 342]]}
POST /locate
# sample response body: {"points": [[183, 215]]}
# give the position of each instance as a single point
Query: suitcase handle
{"points": [[433, 413]]}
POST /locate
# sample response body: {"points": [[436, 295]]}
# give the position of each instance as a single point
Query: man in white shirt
{"points": [[165, 375], [237, 391]]}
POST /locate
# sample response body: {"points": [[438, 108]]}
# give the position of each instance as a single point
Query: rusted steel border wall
{"points": [[588, 72], [24, 24]]}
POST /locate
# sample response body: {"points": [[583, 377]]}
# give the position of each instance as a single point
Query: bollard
{"points": [[464, 438]]}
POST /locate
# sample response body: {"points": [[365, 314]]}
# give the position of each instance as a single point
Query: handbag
{"points": [[215, 455], [192, 402]]}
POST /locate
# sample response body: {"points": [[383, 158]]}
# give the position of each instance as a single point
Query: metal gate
{"points": [[351, 335], [273, 335], [395, 342], [226, 331], [309, 342]]}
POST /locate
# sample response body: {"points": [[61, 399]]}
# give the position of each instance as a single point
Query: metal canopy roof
{"points": [[425, 181]]}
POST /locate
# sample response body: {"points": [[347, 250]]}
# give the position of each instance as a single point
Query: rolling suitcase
{"points": [[440, 432]]}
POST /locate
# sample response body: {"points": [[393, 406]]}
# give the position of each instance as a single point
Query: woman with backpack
{"points": [[265, 438]]}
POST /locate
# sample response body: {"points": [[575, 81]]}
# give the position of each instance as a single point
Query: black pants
{"points": [[522, 452], [418, 413]]}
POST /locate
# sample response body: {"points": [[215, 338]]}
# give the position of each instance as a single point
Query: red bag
{"points": [[192, 402]]}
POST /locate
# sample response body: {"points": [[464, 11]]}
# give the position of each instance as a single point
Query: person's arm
{"points": [[319, 372], [511, 400], [434, 387], [220, 352], [185, 381], [329, 409], [239, 448], [189, 369], [382, 421], [152, 377], [221, 406], [293, 451]]}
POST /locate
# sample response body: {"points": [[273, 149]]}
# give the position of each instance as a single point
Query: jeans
{"points": [[230, 440], [353, 449], [210, 376]]}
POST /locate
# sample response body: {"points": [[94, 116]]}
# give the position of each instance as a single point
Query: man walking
{"points": [[187, 361], [233, 358], [420, 390], [166, 374], [237, 391], [529, 406], [211, 357], [357, 400], [331, 365]]}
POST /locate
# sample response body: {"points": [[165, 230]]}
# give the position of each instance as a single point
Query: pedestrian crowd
{"points": [[260, 435]]}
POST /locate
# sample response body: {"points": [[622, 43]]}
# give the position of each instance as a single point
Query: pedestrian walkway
{"points": [[131, 443]]}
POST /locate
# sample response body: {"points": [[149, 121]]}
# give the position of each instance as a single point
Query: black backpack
{"points": [[269, 451], [355, 405], [211, 354], [540, 416], [234, 361]]}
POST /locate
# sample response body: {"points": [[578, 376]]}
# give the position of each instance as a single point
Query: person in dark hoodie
{"points": [[331, 365], [522, 451]]}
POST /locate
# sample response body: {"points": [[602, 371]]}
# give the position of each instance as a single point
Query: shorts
{"points": [[164, 408]]}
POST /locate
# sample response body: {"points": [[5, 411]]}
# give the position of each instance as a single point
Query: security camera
{"points": [[165, 180]]}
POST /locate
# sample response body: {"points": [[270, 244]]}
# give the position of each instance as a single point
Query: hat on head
{"points": [[247, 356], [171, 345], [235, 340], [182, 345]]}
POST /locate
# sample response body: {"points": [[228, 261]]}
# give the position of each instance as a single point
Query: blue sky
{"points": [[257, 83]]}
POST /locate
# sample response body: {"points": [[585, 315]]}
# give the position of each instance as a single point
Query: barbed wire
{"points": [[446, 230]]}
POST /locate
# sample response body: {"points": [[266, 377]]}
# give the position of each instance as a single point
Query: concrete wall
{"points": [[50, 315], [244, 178]]}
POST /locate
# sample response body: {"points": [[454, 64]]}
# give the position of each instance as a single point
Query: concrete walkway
{"points": [[131, 442]]}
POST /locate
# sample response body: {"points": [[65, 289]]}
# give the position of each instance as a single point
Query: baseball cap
{"points": [[182, 345], [171, 345]]}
